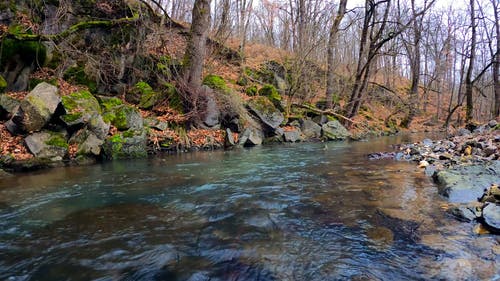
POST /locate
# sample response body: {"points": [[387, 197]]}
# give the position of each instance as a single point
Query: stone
{"points": [[8, 106], [22, 80], [4, 174], [463, 132], [36, 110], [492, 123], [87, 143], [251, 136], [491, 216], [212, 112], [490, 150], [229, 140], [292, 135], [310, 129], [427, 142], [462, 213], [126, 145], [80, 107], [465, 184], [126, 117], [156, 124], [320, 119], [47, 144], [98, 127], [333, 130], [265, 110]]}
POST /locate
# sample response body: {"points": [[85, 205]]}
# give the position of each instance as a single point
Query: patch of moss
{"points": [[149, 97], [58, 140], [110, 103], [3, 84], [216, 82], [70, 118], [77, 75], [108, 117], [252, 90], [29, 51], [128, 134], [120, 120]]}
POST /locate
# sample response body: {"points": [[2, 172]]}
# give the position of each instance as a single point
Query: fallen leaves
{"points": [[13, 145]]}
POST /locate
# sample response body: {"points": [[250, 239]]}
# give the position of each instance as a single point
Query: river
{"points": [[287, 212]]}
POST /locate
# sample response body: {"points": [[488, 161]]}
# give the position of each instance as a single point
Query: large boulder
{"points": [[310, 129], [128, 144], [333, 130], [292, 135], [212, 112], [265, 110], [467, 183], [80, 107], [122, 116], [36, 110], [48, 144], [97, 126]]}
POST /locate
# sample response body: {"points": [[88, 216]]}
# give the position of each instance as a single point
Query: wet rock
{"points": [[265, 110], [80, 107], [381, 155], [292, 135], [98, 127], [37, 108], [310, 129], [47, 144], [333, 130], [467, 183], [491, 216], [464, 213], [455, 269]]}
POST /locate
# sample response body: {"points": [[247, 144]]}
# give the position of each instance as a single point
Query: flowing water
{"points": [[289, 212]]}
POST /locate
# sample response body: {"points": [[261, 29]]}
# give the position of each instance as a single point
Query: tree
{"points": [[472, 55], [496, 63], [196, 45], [330, 57]]}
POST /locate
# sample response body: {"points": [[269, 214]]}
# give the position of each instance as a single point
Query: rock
{"points": [[463, 213], [229, 140], [466, 183], [445, 156], [8, 106], [80, 107], [21, 83], [491, 216], [455, 269], [124, 117], [4, 174], [87, 143], [47, 144], [310, 129], [427, 142], [125, 145], [489, 150], [333, 130], [251, 136], [155, 124], [212, 112], [320, 119], [292, 136], [98, 127], [265, 110], [423, 164], [463, 132], [36, 110], [492, 123]]}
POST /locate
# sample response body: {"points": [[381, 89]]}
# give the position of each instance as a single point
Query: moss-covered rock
{"points": [[333, 130], [120, 115], [48, 144], [148, 97], [80, 107], [216, 82], [88, 144], [128, 144], [3, 84], [263, 108], [27, 51], [252, 90], [271, 93]]}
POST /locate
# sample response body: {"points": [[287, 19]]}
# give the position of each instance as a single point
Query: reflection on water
{"points": [[292, 212]]}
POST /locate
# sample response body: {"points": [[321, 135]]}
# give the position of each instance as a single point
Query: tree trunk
{"points": [[468, 78], [496, 63], [196, 45], [331, 44]]}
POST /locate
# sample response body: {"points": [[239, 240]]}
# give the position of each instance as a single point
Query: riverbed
{"points": [[315, 211]]}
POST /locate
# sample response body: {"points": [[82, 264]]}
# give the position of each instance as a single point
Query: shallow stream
{"points": [[289, 212]]}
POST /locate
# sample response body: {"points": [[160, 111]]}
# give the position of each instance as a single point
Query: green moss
{"points": [[149, 97], [58, 140], [270, 92], [110, 103], [216, 82], [120, 120], [108, 117], [118, 138], [252, 90], [69, 118], [29, 51], [173, 97], [128, 134], [3, 84], [77, 75]]}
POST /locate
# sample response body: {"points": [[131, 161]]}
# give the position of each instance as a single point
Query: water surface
{"points": [[290, 212]]}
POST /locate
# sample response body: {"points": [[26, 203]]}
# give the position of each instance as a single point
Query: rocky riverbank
{"points": [[48, 127], [466, 168]]}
